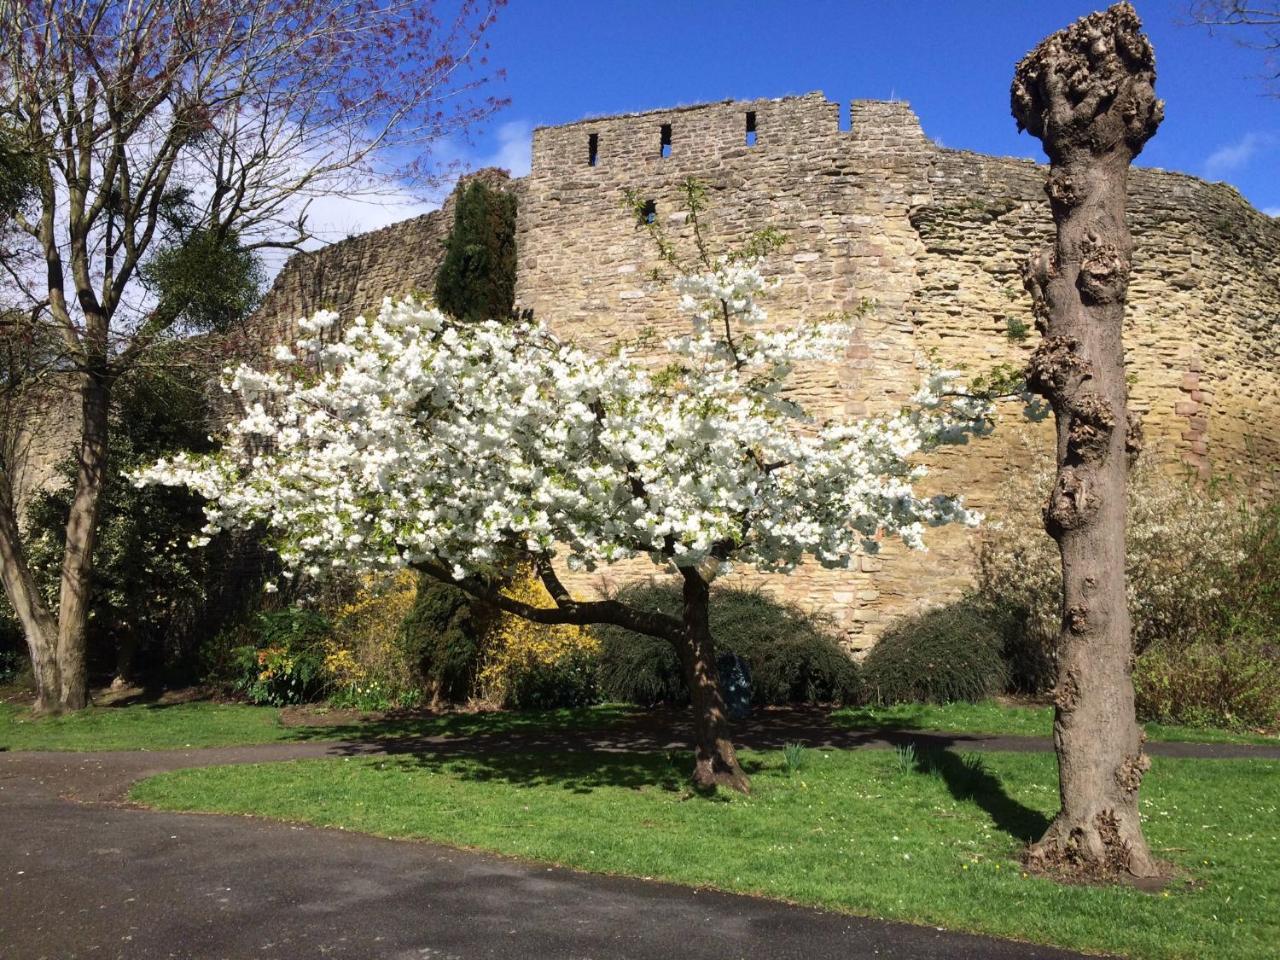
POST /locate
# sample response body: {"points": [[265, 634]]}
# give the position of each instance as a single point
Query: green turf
{"points": [[150, 726], [871, 832], [155, 726], [1014, 720], [141, 727]]}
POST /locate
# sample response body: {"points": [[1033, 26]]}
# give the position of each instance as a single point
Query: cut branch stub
{"points": [[1133, 437], [1056, 368], [1104, 270], [1037, 271], [1072, 503], [1090, 87], [1092, 420]]}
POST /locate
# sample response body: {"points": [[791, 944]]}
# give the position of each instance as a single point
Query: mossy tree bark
{"points": [[38, 624], [81, 537], [1087, 92]]}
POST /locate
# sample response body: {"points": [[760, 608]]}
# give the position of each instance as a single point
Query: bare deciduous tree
{"points": [[1261, 17], [1087, 93], [248, 108]]}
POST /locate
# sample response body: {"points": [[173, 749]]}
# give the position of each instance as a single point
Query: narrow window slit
{"points": [[593, 149], [649, 212], [751, 128], [664, 147]]}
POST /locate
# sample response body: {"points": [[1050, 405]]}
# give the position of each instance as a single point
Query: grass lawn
{"points": [[161, 726], [141, 727], [153, 726], [1012, 719], [872, 832]]}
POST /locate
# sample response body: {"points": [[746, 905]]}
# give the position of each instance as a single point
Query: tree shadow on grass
{"points": [[575, 771], [968, 779], [424, 724]]}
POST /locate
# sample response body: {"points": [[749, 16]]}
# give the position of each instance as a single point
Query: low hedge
{"points": [[792, 655], [949, 653]]}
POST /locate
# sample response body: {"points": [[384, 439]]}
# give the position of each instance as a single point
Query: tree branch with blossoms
{"points": [[461, 449]]}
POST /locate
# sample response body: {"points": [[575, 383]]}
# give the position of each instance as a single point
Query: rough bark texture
{"points": [[38, 625], [715, 760], [82, 534], [1087, 94]]}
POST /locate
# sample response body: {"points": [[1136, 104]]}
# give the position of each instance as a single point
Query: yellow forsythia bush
{"points": [[365, 664], [534, 664]]}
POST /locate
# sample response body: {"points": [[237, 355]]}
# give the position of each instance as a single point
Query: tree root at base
{"points": [[708, 775], [1095, 852]]}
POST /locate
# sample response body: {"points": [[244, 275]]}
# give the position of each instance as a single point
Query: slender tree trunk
{"points": [[126, 656], [81, 537], [38, 625], [1087, 94], [716, 762]]}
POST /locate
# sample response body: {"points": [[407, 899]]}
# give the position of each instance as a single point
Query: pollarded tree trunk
{"points": [[82, 533], [716, 762], [1087, 93]]}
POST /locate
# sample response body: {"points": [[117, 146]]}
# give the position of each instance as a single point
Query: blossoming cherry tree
{"points": [[462, 449]]}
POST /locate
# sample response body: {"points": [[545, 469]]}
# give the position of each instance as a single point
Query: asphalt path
{"points": [[81, 880], [84, 875]]}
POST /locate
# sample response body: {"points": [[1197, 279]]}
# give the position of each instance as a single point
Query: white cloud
{"points": [[1235, 156], [515, 148], [335, 217], [1271, 211]]}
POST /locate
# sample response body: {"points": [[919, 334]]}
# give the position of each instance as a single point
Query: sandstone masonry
{"points": [[933, 238]]}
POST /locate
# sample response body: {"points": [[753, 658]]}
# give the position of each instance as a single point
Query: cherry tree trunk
{"points": [[716, 761], [81, 536], [1087, 92]]}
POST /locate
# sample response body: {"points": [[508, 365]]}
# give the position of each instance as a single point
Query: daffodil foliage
{"points": [[414, 440]]}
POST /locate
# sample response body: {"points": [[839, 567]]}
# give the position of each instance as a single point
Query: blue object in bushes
{"points": [[735, 685]]}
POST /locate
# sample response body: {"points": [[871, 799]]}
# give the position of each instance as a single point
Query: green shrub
{"points": [[477, 279], [284, 661], [444, 634], [13, 666], [1250, 599], [792, 655], [1233, 683], [570, 681], [950, 653], [156, 601], [638, 669], [13, 646]]}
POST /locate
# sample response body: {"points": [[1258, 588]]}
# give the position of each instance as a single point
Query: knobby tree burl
{"points": [[1087, 93]]}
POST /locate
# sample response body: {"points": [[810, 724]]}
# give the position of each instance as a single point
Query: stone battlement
{"points": [[706, 133]]}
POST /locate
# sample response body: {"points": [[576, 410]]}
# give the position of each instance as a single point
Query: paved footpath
{"points": [[82, 875]]}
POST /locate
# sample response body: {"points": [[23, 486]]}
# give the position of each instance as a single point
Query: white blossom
{"points": [[416, 438]]}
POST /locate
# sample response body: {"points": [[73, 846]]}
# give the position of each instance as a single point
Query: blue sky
{"points": [[952, 59], [567, 59]]}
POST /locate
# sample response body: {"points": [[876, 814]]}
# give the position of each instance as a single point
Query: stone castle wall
{"points": [[354, 275], [932, 238]]}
